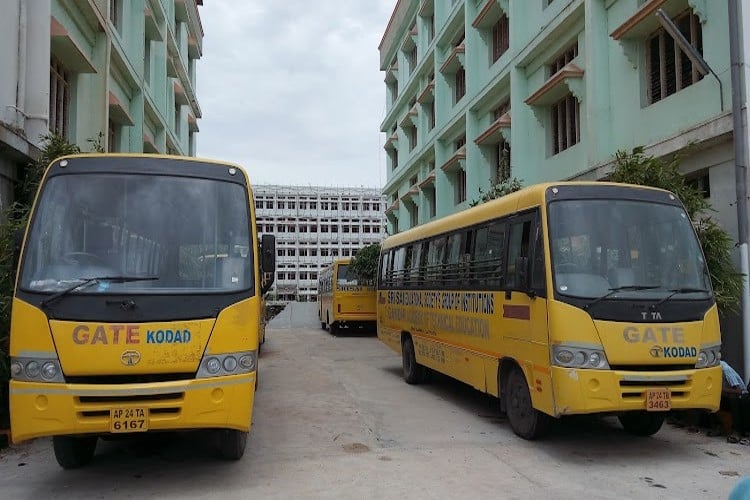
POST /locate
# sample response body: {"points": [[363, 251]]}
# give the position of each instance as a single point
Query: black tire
{"points": [[414, 373], [231, 443], [74, 452], [641, 423], [526, 421]]}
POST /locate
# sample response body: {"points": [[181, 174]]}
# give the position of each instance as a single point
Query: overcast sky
{"points": [[292, 90]]}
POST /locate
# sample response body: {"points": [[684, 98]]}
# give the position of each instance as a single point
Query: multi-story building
{"points": [[478, 91], [313, 227], [119, 72]]}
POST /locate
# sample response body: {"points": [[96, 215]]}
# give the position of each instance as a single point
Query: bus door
{"points": [[523, 301]]}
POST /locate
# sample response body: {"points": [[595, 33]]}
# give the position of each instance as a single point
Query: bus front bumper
{"points": [[580, 391], [43, 409]]}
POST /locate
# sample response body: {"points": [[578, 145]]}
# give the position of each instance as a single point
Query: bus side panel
{"points": [[31, 333], [237, 328]]}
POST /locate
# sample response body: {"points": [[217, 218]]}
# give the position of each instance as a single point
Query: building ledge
{"points": [[393, 208], [644, 22], [67, 50], [498, 131], [428, 94], [410, 119], [490, 13], [179, 94], [152, 26], [118, 113], [148, 144], [454, 61], [455, 162], [568, 79], [428, 182], [392, 142]]}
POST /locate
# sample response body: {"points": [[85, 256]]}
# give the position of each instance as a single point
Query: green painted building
{"points": [[121, 72], [481, 90]]}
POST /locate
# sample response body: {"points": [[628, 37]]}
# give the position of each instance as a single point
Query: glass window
{"points": [[106, 225]]}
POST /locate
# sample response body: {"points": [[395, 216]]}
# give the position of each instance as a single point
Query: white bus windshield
{"points": [[188, 234]]}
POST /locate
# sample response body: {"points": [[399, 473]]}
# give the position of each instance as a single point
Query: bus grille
{"points": [[631, 390], [128, 379]]}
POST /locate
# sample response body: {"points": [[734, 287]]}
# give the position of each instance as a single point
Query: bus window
{"points": [[489, 247], [518, 246], [435, 257]]}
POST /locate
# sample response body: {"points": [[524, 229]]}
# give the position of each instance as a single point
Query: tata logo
{"points": [[130, 358], [652, 335], [673, 352]]}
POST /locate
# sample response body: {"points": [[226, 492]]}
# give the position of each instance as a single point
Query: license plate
{"points": [[658, 399], [128, 420]]}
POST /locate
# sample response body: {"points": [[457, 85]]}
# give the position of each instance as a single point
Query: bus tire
{"points": [[232, 444], [526, 421], [74, 452], [641, 423], [414, 373]]}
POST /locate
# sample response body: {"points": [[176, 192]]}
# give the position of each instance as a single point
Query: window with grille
{"points": [[500, 37], [412, 57], [566, 123], [460, 84], [502, 161], [412, 138], [560, 61], [460, 186], [431, 115], [59, 98], [669, 68], [414, 216], [112, 137]]}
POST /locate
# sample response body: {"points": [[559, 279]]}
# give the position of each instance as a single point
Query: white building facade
{"points": [[313, 227]]}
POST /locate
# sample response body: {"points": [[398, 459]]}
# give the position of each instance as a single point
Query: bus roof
{"points": [[526, 198], [147, 156]]}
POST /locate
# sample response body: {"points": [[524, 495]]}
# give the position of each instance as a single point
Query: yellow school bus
{"points": [[344, 300], [137, 305], [560, 299]]}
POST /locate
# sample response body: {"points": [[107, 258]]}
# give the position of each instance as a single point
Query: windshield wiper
{"points": [[612, 291], [87, 282], [675, 291]]}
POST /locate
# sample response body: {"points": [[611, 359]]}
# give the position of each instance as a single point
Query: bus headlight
{"points": [[709, 356], [36, 370], [572, 356], [49, 370], [218, 365], [213, 366]]}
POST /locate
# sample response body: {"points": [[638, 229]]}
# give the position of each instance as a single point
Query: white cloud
{"points": [[293, 90]]}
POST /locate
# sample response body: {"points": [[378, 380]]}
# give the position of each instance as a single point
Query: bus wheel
{"points": [[525, 421], [232, 444], [641, 423], [74, 452], [414, 373]]}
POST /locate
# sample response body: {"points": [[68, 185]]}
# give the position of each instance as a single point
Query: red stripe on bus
{"points": [[516, 312]]}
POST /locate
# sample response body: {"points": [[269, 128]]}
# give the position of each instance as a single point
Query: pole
{"points": [[740, 160]]}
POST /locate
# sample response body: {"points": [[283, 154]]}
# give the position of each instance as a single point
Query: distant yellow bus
{"points": [[138, 305], [344, 301], [560, 299]]}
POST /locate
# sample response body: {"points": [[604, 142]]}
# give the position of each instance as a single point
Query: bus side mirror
{"points": [[267, 261]]}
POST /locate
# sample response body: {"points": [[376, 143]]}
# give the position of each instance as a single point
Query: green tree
{"points": [[636, 167], [365, 263], [498, 190]]}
